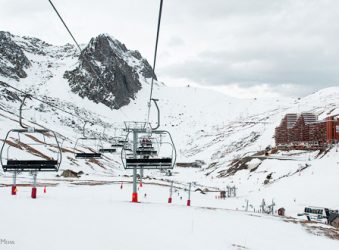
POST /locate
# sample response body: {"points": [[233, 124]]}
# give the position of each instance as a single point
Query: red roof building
{"points": [[305, 128]]}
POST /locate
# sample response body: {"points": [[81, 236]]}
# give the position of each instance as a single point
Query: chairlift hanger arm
{"points": [[155, 59], [158, 113], [20, 110], [83, 129]]}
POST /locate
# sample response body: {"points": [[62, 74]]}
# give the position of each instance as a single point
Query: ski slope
{"points": [[206, 126], [101, 217]]}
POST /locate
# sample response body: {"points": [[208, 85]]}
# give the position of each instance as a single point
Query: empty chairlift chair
{"points": [[89, 144], [107, 150], [103, 147], [43, 163], [118, 142], [28, 149]]}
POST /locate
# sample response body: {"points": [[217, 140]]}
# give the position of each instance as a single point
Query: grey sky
{"points": [[241, 47]]}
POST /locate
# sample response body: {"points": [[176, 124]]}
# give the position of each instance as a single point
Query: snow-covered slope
{"points": [[100, 217], [205, 125]]}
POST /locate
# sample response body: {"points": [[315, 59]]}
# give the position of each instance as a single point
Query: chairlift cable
{"points": [[77, 44], [42, 101], [3, 84], [57, 12], [154, 60]]}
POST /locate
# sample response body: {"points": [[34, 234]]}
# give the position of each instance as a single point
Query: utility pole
{"points": [[189, 195], [33, 195], [263, 206], [272, 207], [171, 192], [135, 144], [246, 209], [14, 184], [228, 191], [141, 176]]}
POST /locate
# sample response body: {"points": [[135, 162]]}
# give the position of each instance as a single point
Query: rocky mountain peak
{"points": [[105, 71], [109, 73], [13, 61]]}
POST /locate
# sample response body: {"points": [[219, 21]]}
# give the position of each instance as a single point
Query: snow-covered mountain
{"points": [[207, 126]]}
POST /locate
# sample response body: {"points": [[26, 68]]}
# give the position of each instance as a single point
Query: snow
{"points": [[101, 217], [205, 125]]}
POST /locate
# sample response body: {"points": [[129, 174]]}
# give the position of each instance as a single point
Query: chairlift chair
{"points": [[153, 159], [17, 163], [105, 149], [93, 141], [146, 142], [44, 163], [118, 142], [146, 147], [47, 164]]}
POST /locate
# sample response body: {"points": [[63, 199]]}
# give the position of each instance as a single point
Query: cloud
{"points": [[175, 41], [288, 46], [216, 43]]}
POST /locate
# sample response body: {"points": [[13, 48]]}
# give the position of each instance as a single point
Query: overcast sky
{"points": [[244, 48]]}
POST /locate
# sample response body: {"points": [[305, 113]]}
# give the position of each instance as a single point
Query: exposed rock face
{"points": [[71, 174], [105, 71], [12, 58], [108, 72], [8, 95]]}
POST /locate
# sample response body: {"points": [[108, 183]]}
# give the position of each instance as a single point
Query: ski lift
{"points": [[103, 149], [128, 147], [149, 158], [146, 147], [33, 154], [14, 150], [107, 150], [146, 142], [91, 142], [118, 142]]}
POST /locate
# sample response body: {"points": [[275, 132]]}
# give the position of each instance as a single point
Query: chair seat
{"points": [[146, 152], [151, 163], [87, 155], [146, 148], [107, 150], [31, 165]]}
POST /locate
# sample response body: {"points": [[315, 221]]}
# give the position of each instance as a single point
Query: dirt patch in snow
{"points": [[316, 228]]}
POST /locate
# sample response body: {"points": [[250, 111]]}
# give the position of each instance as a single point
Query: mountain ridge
{"points": [[105, 70]]}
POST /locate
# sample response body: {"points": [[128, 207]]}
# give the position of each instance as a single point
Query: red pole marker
{"points": [[171, 193], [33, 193], [45, 189], [134, 197], [189, 194], [14, 190]]}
